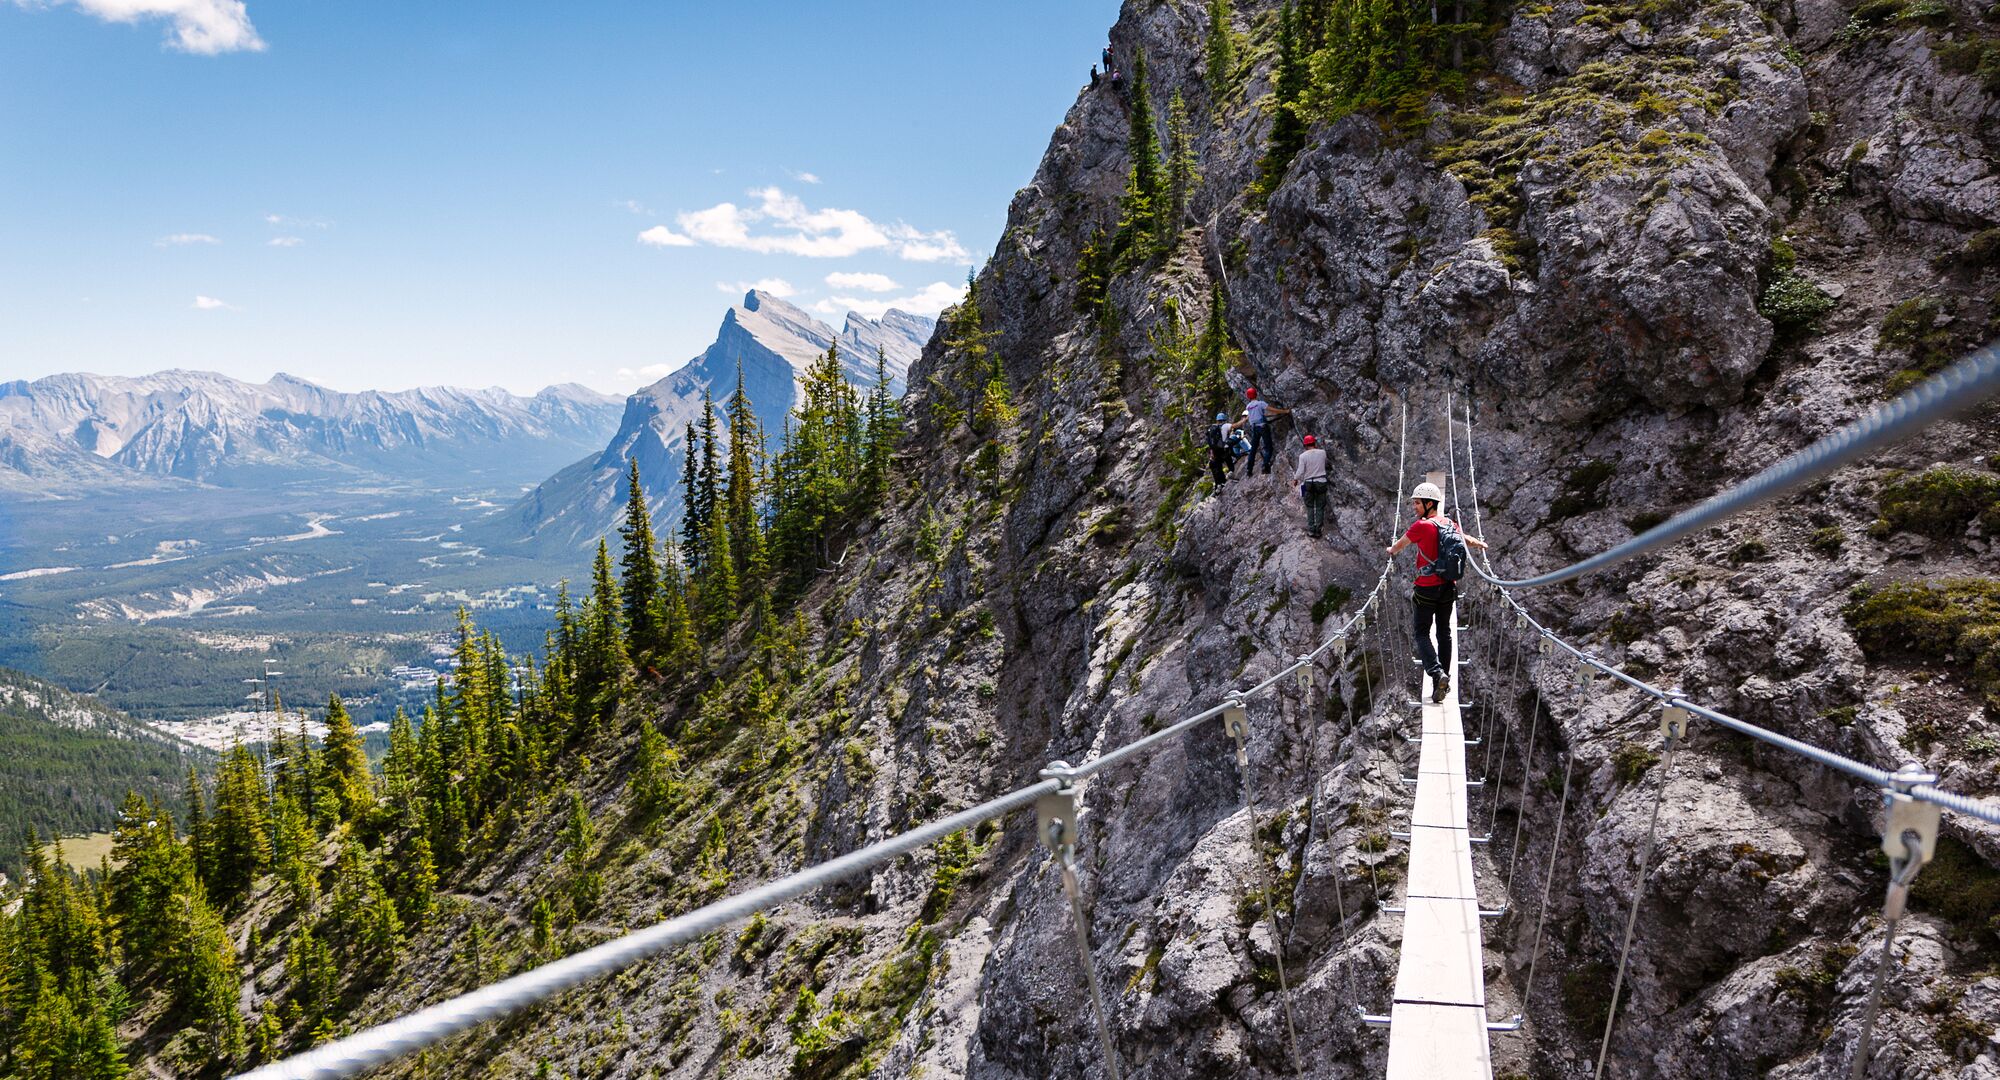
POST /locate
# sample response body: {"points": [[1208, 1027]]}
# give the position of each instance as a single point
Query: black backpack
{"points": [[1215, 437], [1450, 563]]}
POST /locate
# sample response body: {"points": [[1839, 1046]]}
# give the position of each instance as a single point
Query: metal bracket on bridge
{"points": [[1585, 671], [1908, 816], [1057, 812], [1236, 721], [1305, 674], [1371, 1019], [1495, 913], [1515, 1024], [1340, 645], [1674, 723]]}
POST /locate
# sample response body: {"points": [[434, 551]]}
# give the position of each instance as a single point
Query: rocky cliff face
{"points": [[1658, 247], [771, 342]]}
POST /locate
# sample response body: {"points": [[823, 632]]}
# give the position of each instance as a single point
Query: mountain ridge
{"points": [[205, 427], [771, 342]]}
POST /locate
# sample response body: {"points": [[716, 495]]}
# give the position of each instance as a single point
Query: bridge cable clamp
{"points": [[1305, 673], [1057, 813], [1236, 721], [1674, 723]]}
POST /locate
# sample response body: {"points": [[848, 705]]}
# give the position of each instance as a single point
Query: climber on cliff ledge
{"points": [[1310, 474], [1440, 563], [1258, 412]]}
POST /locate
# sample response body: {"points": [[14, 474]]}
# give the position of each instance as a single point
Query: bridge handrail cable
{"points": [[427, 1026]]}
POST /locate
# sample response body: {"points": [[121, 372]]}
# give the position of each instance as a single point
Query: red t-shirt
{"points": [[1423, 532]]}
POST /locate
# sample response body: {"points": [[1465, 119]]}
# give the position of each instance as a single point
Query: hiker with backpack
{"points": [[1310, 474], [1441, 560], [1221, 455]]}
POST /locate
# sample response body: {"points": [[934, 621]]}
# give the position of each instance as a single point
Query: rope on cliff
{"points": [[1952, 391]]}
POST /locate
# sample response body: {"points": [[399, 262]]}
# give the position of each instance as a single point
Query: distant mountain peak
{"points": [[772, 342]]}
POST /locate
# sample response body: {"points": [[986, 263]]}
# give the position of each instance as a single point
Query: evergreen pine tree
{"points": [[602, 660], [399, 789], [197, 822], [652, 783], [884, 425], [202, 973], [1288, 126], [694, 526], [239, 841], [640, 568], [1215, 355], [745, 484], [1144, 203], [1182, 174], [707, 482], [676, 619], [1220, 48], [346, 763]]}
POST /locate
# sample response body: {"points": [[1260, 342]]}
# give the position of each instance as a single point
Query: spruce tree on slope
{"points": [[346, 763], [640, 568], [1144, 202], [1182, 174], [1288, 126], [1220, 49]]}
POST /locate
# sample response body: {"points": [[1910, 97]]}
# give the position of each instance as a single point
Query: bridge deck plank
{"points": [[1438, 1021]]}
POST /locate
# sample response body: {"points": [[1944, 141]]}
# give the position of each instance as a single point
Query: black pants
{"points": [[1432, 605], [1219, 463], [1260, 435], [1314, 492]]}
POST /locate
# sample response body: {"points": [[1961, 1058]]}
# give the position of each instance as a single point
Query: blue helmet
{"points": [[1222, 418]]}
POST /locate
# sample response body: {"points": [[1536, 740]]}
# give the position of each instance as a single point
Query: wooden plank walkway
{"points": [[1438, 1022]]}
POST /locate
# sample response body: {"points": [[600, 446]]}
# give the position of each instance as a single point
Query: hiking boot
{"points": [[1440, 686]]}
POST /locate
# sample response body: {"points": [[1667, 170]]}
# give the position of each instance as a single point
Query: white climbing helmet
{"points": [[1428, 490]]}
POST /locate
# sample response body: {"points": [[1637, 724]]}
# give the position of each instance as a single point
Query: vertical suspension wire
{"points": [[1527, 771], [1548, 879], [1079, 920], [1513, 702], [1901, 873], [1638, 898], [1270, 900], [1402, 456]]}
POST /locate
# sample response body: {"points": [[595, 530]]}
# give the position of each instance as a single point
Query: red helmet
{"points": [[1250, 391], [1309, 440]]}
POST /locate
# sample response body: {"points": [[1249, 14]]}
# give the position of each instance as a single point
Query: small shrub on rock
{"points": [[1939, 503], [1953, 622], [1793, 303]]}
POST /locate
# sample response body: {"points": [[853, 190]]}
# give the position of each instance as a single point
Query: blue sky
{"points": [[382, 195]]}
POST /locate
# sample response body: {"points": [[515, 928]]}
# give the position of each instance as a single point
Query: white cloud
{"points": [[285, 241], [650, 371], [206, 27], [772, 286], [804, 177], [841, 279], [634, 206], [829, 233], [182, 239], [929, 300], [919, 246], [288, 222], [661, 236], [210, 303]]}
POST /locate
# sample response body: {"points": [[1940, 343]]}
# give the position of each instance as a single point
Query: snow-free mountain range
{"points": [[771, 342], [75, 434]]}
